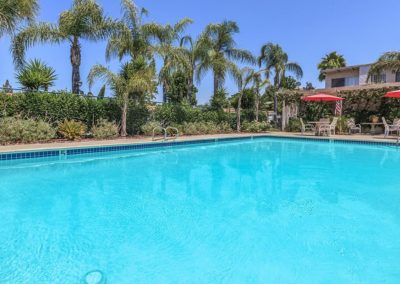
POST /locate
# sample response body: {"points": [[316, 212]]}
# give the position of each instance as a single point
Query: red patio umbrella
{"points": [[322, 98], [393, 94], [327, 98]]}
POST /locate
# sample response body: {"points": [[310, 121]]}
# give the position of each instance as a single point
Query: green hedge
{"points": [[55, 108], [169, 114]]}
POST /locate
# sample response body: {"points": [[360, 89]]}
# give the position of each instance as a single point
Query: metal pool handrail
{"points": [[172, 128], [165, 130], [154, 132]]}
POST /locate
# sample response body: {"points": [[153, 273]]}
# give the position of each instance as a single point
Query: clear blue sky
{"points": [[361, 30]]}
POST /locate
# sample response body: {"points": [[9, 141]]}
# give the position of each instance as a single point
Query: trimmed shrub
{"points": [[71, 129], [148, 127], [105, 129], [198, 128], [294, 125], [256, 127], [16, 130]]}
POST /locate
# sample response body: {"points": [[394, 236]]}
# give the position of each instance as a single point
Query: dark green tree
{"points": [[219, 101], [102, 92], [330, 61], [178, 90]]}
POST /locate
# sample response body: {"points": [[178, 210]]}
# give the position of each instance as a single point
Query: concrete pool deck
{"points": [[142, 139]]}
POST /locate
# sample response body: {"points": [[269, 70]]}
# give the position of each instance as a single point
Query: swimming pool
{"points": [[248, 211]]}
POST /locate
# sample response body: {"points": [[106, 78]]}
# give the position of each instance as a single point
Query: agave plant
{"points": [[36, 75]]}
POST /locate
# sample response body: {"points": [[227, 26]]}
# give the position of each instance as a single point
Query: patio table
{"points": [[373, 126]]}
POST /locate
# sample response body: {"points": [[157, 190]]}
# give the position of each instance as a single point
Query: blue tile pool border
{"points": [[152, 145]]}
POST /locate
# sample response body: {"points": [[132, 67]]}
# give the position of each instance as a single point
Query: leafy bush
{"points": [[149, 126], [16, 130], [198, 128], [138, 115], [105, 129], [341, 126], [294, 125], [71, 129], [255, 126]]}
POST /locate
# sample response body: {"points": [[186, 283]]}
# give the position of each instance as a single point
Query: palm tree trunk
{"points": [[76, 63], [238, 126], [190, 87], [164, 92], [216, 84], [275, 105], [257, 103], [124, 115]]}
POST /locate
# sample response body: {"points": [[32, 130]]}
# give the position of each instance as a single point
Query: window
{"points": [[398, 76], [343, 82], [351, 81], [378, 78], [338, 82]]}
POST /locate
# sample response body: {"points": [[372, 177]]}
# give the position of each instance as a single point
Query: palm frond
{"points": [[294, 68], [100, 72], [181, 25], [12, 12], [38, 33], [241, 55]]}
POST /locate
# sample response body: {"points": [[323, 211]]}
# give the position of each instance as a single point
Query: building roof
{"points": [[333, 91], [347, 68]]}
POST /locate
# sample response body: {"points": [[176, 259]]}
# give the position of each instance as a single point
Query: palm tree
{"points": [[12, 12], [389, 60], [133, 39], [274, 59], [258, 84], [193, 51], [222, 54], [329, 61], [36, 75], [134, 78], [85, 20], [243, 78], [172, 56]]}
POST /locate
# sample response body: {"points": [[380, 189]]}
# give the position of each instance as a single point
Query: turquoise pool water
{"points": [[262, 211]]}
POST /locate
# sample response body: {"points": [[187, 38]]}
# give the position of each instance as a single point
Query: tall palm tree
{"points": [[222, 55], [133, 78], [258, 84], [389, 60], [133, 39], [243, 78], [193, 51], [275, 61], [329, 61], [12, 12], [85, 20], [172, 56]]}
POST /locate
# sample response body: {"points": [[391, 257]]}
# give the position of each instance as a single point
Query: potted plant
{"points": [[374, 118]]}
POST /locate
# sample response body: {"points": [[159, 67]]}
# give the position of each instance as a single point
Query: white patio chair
{"points": [[390, 128], [329, 129], [353, 127], [306, 127]]}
